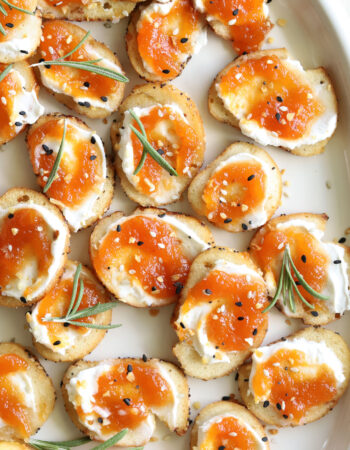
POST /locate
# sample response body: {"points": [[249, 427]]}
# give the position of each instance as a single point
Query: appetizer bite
{"points": [[20, 30], [105, 397], [240, 190], [244, 22], [34, 242], [219, 319], [170, 123], [144, 258], [296, 380], [306, 278], [79, 71], [13, 446], [162, 37], [66, 324], [19, 105], [227, 425], [273, 100], [27, 393], [81, 185]]}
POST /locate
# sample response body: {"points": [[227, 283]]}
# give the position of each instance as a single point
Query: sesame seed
{"points": [[255, 331], [127, 401], [303, 258], [183, 40], [266, 403], [166, 71], [11, 216], [140, 243], [314, 313], [238, 303], [208, 291], [24, 51], [251, 177], [23, 299], [278, 116], [86, 84], [92, 157], [182, 325], [240, 318], [144, 358], [22, 113], [279, 99], [235, 12], [342, 240], [228, 220], [100, 420], [278, 406], [244, 226], [264, 439], [337, 261], [104, 98], [57, 343], [18, 124], [129, 368], [119, 228], [179, 286], [9, 25]]}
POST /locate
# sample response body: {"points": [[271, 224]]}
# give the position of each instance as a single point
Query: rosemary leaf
{"points": [[70, 444], [141, 162], [113, 440], [79, 299], [57, 161], [91, 325], [93, 310], [3, 10], [11, 6], [2, 30], [278, 290], [76, 47], [74, 290], [5, 72]]}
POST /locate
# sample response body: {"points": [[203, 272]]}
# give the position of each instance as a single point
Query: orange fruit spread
{"points": [[166, 41], [236, 314], [245, 18], [150, 253], [277, 98], [57, 41], [24, 237], [80, 169], [291, 384], [231, 432], [182, 154], [309, 258], [12, 410], [14, 18], [234, 191], [129, 391]]}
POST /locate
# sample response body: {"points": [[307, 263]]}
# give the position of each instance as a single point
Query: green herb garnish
{"points": [[57, 161], [287, 285], [147, 148], [89, 66], [73, 314], [11, 6], [5, 72]]}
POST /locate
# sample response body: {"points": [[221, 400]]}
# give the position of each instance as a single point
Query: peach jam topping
{"points": [[13, 19], [149, 251], [236, 314], [80, 169], [246, 19], [234, 191], [77, 3], [25, 238], [128, 391], [279, 101], [182, 153], [57, 41], [165, 41], [292, 385], [12, 410], [230, 431], [310, 260]]}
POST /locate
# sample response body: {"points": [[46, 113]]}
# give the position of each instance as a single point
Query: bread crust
{"points": [[218, 110], [190, 361], [23, 195], [13, 446], [198, 184], [103, 202], [149, 95], [43, 391], [269, 415]]}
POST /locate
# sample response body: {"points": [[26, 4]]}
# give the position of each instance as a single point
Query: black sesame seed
{"points": [[166, 71], [235, 12], [183, 40], [18, 124], [127, 401], [244, 226], [255, 331], [240, 318], [283, 339], [161, 215], [221, 447], [264, 439], [140, 243], [236, 376], [47, 66], [47, 150], [144, 358], [303, 258], [225, 398], [182, 325], [93, 140], [285, 416], [129, 368], [238, 303], [278, 406], [153, 288], [100, 420], [208, 291], [278, 116], [104, 98], [66, 324], [279, 99], [92, 157], [22, 113], [119, 228], [179, 286], [23, 299], [160, 151], [337, 261], [9, 25], [86, 84], [266, 403], [24, 51], [250, 178], [228, 220], [342, 240], [11, 216], [314, 313], [57, 343]]}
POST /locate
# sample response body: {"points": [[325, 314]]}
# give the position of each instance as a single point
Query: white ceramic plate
{"points": [[315, 33]]}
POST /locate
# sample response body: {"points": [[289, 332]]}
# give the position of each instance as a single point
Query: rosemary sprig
{"points": [[11, 6], [147, 148], [57, 161], [5, 72], [88, 66], [288, 287], [73, 314]]}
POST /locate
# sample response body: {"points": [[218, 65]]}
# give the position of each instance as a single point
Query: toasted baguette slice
{"points": [[316, 78], [113, 10], [309, 316], [269, 414], [145, 96], [226, 409], [273, 190], [13, 446], [135, 438], [190, 360], [30, 88], [81, 344], [42, 391], [95, 50], [101, 203], [16, 198], [111, 276]]}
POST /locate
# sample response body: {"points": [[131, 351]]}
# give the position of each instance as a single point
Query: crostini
{"points": [[219, 319], [34, 242], [83, 186], [227, 425], [306, 277], [103, 398], [19, 105], [144, 258], [174, 128], [27, 393], [162, 37], [62, 340], [14, 446], [298, 379], [21, 30], [89, 93], [240, 190], [245, 23], [273, 100]]}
